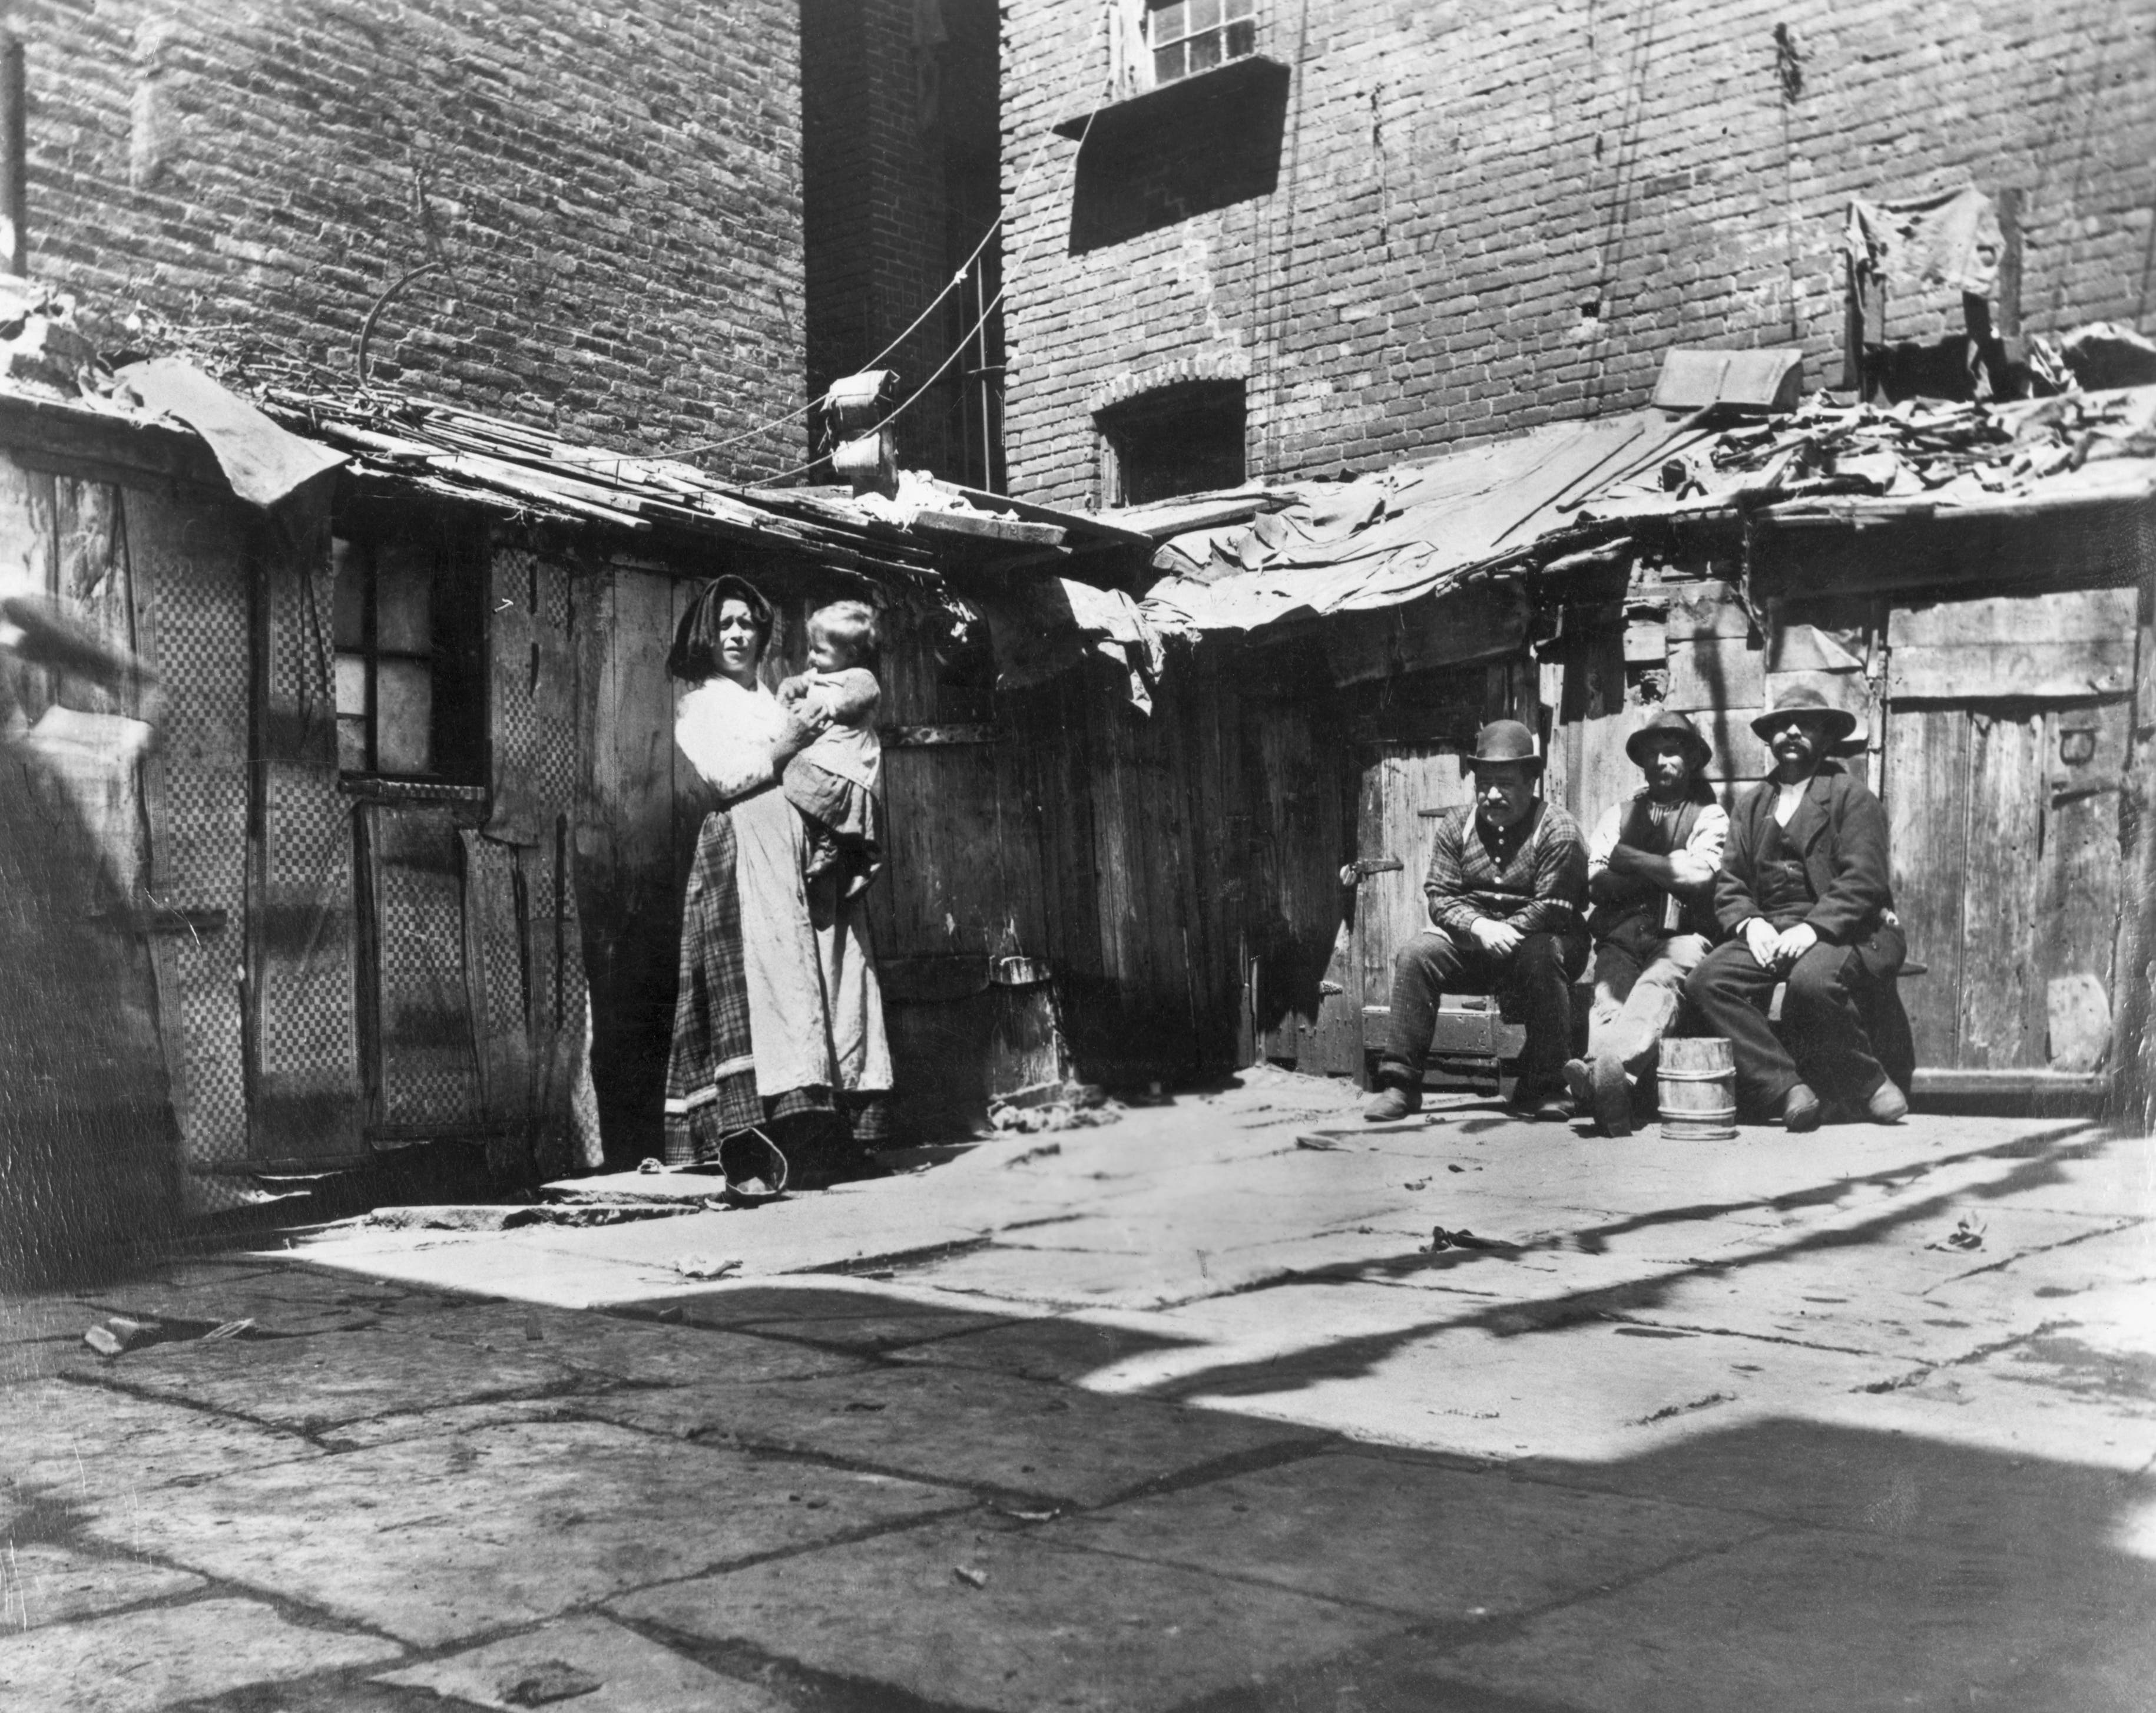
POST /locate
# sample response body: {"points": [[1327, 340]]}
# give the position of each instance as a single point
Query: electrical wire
{"points": [[956, 280]]}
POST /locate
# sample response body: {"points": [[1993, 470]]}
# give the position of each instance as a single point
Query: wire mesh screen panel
{"points": [[189, 562], [308, 1097], [429, 1069], [495, 954]]}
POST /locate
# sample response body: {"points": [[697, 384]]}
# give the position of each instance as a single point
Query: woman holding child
{"points": [[778, 1020]]}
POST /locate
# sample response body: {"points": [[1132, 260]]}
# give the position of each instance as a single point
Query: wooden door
{"points": [[2004, 820], [1406, 787]]}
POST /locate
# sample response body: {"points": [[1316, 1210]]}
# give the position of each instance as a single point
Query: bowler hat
{"points": [[1803, 699], [1503, 741], [1669, 724]]}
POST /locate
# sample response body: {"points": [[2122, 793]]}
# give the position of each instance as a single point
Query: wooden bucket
{"points": [[1698, 1089]]}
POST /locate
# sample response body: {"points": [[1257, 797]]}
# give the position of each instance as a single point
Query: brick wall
{"points": [[615, 192], [1488, 215], [900, 149]]}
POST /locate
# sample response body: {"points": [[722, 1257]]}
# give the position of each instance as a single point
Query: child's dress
{"points": [[834, 782]]}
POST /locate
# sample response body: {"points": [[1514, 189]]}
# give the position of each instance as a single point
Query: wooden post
{"points": [[14, 159], [2132, 1105], [2010, 264], [1852, 329]]}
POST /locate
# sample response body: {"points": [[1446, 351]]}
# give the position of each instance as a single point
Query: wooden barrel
{"points": [[1698, 1089]]}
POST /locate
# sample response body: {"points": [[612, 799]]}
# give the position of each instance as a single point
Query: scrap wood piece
{"points": [[1462, 1238], [117, 1333], [703, 1267]]}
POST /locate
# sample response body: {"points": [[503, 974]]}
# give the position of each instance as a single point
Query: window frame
{"points": [[1226, 14], [454, 550]]}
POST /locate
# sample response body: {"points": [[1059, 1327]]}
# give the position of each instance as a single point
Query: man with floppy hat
{"points": [[1804, 894], [1650, 866], [1506, 881]]}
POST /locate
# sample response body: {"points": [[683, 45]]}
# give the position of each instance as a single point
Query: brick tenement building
{"points": [[1486, 215], [613, 193], [900, 154]]}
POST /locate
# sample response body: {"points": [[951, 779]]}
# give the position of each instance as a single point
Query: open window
{"points": [[411, 683], [1185, 439]]}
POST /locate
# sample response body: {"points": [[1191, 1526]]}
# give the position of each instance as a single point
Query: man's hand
{"points": [[1501, 939], [1763, 941], [1792, 942]]}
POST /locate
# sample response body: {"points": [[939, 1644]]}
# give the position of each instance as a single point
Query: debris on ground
{"points": [[971, 1577], [116, 1333], [1440, 1239], [1075, 1106], [703, 1267], [1420, 1183], [1048, 1152], [650, 1167], [1968, 1235], [484, 1217], [226, 1329], [1030, 1516], [549, 1681]]}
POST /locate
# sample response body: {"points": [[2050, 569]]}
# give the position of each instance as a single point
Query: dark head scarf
{"points": [[694, 655]]}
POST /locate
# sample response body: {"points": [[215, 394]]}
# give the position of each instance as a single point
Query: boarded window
{"points": [[410, 681], [1181, 439]]}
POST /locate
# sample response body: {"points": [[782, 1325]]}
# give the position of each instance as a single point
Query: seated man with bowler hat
{"points": [[1651, 862], [1506, 884], [1803, 893]]}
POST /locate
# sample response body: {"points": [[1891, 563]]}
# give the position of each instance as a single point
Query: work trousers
{"points": [[1822, 1041], [1533, 984], [1636, 1001]]}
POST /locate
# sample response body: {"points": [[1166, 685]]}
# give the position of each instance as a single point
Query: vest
{"points": [[1643, 908]]}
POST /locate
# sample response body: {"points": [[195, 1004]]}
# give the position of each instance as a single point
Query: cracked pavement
{"points": [[1185, 1411]]}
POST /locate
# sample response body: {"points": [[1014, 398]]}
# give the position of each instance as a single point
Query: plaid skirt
{"points": [[711, 1071]]}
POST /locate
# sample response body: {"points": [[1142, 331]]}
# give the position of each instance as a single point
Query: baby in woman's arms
{"points": [[833, 782]]}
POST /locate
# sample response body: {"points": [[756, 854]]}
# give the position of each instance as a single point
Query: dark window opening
{"points": [[411, 682], [1190, 36], [1181, 439]]}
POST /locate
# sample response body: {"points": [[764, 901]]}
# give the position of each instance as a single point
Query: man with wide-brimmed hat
{"points": [[1506, 884], [1651, 862], [1804, 893]]}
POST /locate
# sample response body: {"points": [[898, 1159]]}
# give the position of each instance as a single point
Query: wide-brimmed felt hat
{"points": [[1506, 741], [1803, 699], [1669, 724]]}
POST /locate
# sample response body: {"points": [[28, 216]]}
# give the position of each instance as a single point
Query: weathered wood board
{"points": [[1722, 672], [1928, 813], [2048, 647]]}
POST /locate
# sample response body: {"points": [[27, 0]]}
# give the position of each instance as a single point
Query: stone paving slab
{"points": [[1073, 1348], [339, 1376], [144, 1660], [41, 1583], [1047, 1627], [1868, 1477], [1594, 1389], [962, 1426], [39, 1334], [853, 1315], [283, 1301], [86, 1444], [1804, 1620], [1437, 1544], [650, 1353], [633, 1676], [435, 1540]]}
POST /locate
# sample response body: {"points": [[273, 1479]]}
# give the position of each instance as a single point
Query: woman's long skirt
{"points": [[779, 1010]]}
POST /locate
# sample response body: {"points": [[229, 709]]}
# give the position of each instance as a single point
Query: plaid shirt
{"points": [[1533, 875]]}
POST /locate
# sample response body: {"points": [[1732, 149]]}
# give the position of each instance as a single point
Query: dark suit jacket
{"points": [[1840, 829]]}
